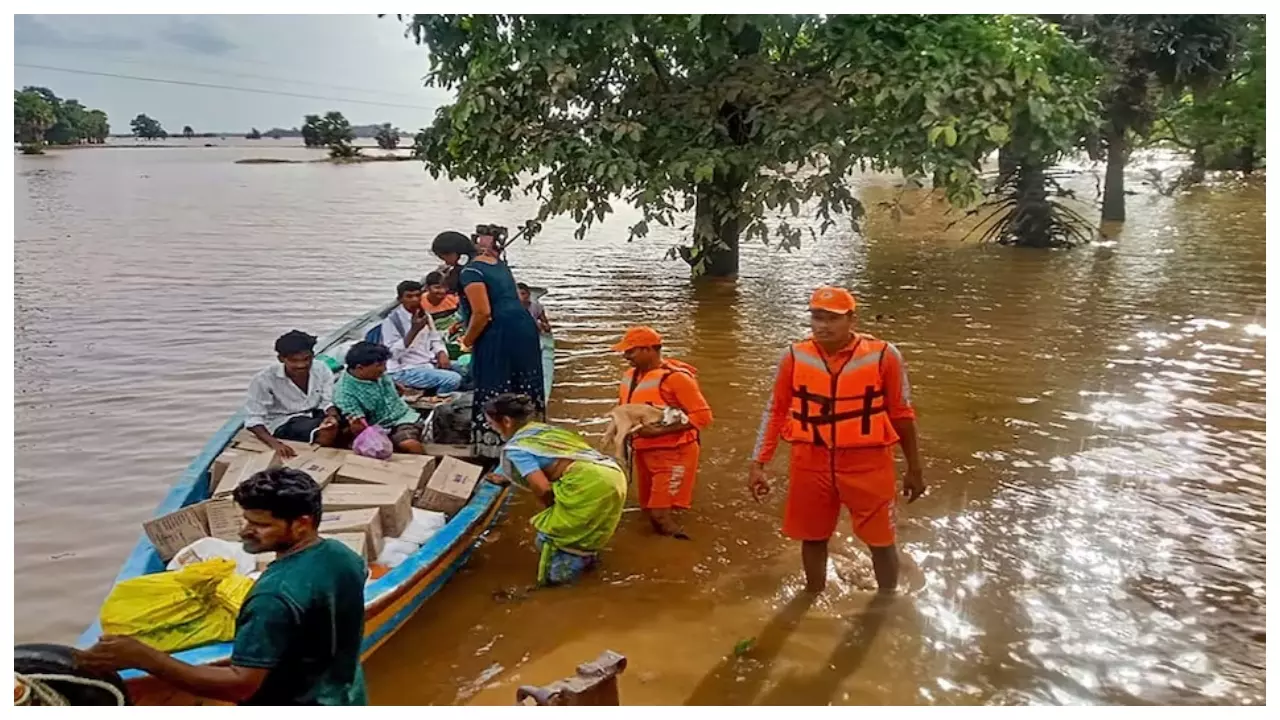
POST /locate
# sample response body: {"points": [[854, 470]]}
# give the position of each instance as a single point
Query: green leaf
{"points": [[705, 172], [949, 135], [998, 133], [936, 133]]}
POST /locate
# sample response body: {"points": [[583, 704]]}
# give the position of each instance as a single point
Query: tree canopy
{"points": [[733, 117], [147, 128], [71, 122], [387, 137]]}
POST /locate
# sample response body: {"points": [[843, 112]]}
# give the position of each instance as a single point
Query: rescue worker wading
{"points": [[664, 461], [843, 401]]}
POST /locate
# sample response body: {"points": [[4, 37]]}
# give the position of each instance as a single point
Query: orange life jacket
{"points": [[839, 407], [647, 390]]}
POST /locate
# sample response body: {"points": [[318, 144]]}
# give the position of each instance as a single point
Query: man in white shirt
{"points": [[419, 357], [293, 399]]}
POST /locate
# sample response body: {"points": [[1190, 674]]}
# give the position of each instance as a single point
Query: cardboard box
{"points": [[176, 530], [411, 471], [321, 469], [247, 441], [220, 464], [357, 541], [244, 467], [224, 518], [392, 501], [330, 453], [450, 486], [365, 520]]}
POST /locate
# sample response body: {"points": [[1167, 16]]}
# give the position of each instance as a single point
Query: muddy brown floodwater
{"points": [[1093, 424]]}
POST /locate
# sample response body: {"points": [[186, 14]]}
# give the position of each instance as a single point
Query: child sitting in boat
{"points": [[365, 396]]}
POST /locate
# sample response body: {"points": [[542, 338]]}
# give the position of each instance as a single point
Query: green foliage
{"points": [[311, 133], [147, 128], [72, 124], [741, 115], [337, 135], [188, 132], [32, 117], [388, 137], [1225, 127]]}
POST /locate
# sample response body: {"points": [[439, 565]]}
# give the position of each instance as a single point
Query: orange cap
{"points": [[639, 336], [833, 299]]}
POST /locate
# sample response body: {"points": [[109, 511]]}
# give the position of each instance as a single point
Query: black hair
{"points": [[521, 286], [408, 286], [451, 241], [286, 493], [435, 277], [366, 353], [295, 342], [517, 406]]}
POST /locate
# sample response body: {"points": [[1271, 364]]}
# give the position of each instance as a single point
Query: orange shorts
{"points": [[665, 476], [861, 479]]}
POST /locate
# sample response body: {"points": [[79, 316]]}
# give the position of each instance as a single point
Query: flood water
{"points": [[1093, 425]]}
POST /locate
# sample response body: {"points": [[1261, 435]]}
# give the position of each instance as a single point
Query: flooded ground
{"points": [[1093, 424]]}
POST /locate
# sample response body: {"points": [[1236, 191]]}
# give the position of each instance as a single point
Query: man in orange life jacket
{"points": [[664, 457], [843, 401]]}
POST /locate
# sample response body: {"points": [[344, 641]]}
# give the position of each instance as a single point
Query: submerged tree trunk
{"points": [[716, 230], [1248, 159], [1113, 192], [1032, 213]]}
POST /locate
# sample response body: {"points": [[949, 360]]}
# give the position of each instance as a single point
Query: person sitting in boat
{"points": [[583, 490], [293, 398], [299, 632], [419, 357], [365, 396], [535, 308], [441, 304]]}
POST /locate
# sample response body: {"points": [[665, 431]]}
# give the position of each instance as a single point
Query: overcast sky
{"points": [[349, 57]]}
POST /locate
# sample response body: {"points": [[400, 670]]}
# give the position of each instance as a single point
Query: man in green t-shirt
{"points": [[299, 631]]}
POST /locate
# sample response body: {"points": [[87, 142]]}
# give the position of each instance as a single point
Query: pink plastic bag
{"points": [[373, 442]]}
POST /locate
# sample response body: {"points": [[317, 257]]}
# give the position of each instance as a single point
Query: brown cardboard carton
{"points": [[176, 530], [357, 541], [356, 474], [224, 518], [450, 486], [330, 453], [242, 468], [220, 464], [392, 502], [321, 469], [247, 441], [365, 520]]}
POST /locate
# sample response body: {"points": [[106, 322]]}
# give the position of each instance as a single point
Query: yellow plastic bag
{"points": [[180, 609]]}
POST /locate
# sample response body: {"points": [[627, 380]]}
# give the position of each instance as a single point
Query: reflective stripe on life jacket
{"points": [[647, 390], [839, 407]]}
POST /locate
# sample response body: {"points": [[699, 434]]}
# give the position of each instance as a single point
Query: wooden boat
{"points": [[389, 600]]}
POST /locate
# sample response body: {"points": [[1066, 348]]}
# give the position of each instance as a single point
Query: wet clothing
{"points": [[507, 357], [377, 401], [303, 622], [589, 497], [665, 468], [871, 389], [665, 477]]}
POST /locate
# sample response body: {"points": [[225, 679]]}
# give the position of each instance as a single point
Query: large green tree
{"points": [[32, 117], [312, 135], [97, 128], [1145, 58], [387, 137], [147, 128], [733, 117], [73, 123], [335, 133]]}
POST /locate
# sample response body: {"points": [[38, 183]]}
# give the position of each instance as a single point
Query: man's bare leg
{"points": [[813, 553], [885, 562], [664, 523]]}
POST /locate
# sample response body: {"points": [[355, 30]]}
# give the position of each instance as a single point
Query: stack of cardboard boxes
{"points": [[365, 500]]}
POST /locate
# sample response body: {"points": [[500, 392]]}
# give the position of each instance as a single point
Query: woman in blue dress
{"points": [[506, 353]]}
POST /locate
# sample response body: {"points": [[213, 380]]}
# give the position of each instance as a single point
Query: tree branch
{"points": [[652, 56]]}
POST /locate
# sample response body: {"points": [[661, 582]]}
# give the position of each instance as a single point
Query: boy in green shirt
{"points": [[299, 632], [365, 395]]}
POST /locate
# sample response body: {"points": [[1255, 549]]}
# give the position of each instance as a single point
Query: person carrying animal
{"points": [[842, 399], [665, 456]]}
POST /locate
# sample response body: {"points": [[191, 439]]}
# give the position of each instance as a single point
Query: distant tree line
{"points": [[42, 118]]}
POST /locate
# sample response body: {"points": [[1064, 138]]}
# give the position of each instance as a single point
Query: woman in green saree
{"points": [[583, 490]]}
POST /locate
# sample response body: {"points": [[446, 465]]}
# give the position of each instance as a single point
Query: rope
{"points": [[36, 688]]}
